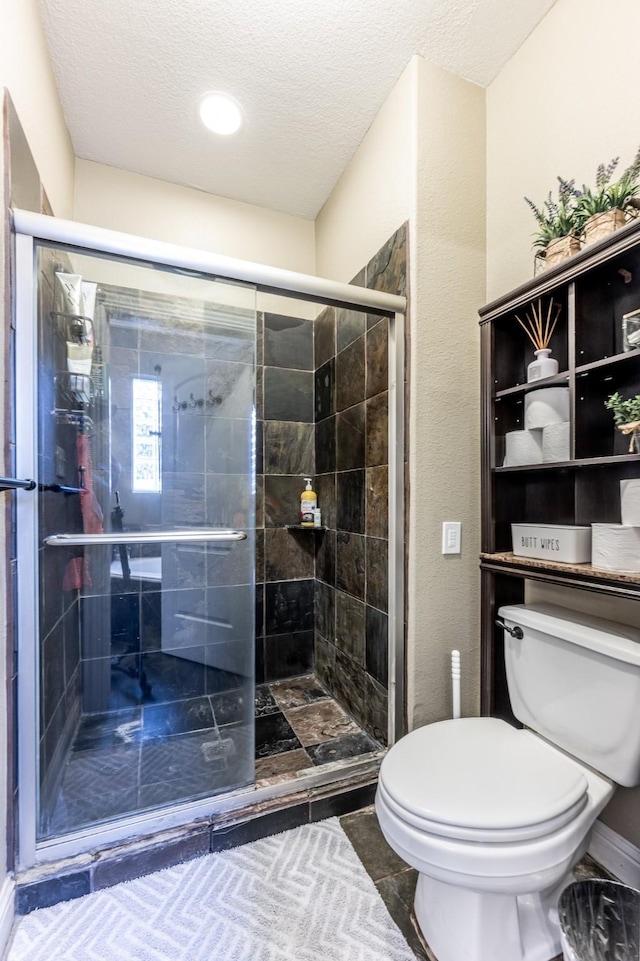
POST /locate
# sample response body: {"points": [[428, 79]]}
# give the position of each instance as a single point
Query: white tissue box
{"points": [[552, 542]]}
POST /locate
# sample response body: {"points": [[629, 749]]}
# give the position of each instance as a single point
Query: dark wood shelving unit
{"points": [[594, 288]]}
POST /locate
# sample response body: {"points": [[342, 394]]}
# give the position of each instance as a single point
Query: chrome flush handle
{"points": [[516, 631]]}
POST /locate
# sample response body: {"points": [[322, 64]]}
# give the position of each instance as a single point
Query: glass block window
{"points": [[145, 432]]}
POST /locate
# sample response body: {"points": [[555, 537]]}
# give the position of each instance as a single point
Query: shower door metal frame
{"points": [[29, 228]]}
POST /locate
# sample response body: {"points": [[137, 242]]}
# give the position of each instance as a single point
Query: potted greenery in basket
{"points": [[558, 227], [606, 207], [626, 416]]}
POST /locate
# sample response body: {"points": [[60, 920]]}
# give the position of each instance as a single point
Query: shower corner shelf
{"points": [[301, 527]]}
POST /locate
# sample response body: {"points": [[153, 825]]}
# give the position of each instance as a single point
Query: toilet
{"points": [[494, 817]]}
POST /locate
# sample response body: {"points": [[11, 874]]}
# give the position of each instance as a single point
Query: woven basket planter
{"points": [[603, 224], [559, 249]]}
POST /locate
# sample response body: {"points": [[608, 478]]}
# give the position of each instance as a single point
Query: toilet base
{"points": [[463, 925]]}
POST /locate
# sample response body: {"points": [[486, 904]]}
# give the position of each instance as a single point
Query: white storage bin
{"points": [[552, 542]]}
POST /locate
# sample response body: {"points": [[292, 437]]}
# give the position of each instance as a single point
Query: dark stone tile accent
{"points": [[228, 445], [280, 765], [109, 872], [259, 501], [377, 551], [274, 735], [342, 748], [348, 684], [289, 554], [260, 555], [260, 393], [360, 279], [377, 358], [350, 627], [350, 438], [325, 390], [326, 490], [325, 432], [377, 645], [223, 839], [377, 430], [260, 339], [324, 661], [259, 447], [288, 342], [350, 563], [259, 616], [343, 803], [377, 502], [289, 606], [325, 336], [289, 448], [265, 702], [350, 496], [387, 270], [325, 610], [326, 557], [259, 660], [398, 892], [376, 710], [229, 387], [298, 693], [378, 859], [350, 325], [231, 707], [176, 717], [323, 721], [42, 894], [288, 395], [350, 375], [282, 500], [288, 655]]}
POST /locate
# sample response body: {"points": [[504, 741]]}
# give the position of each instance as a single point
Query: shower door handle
{"points": [[153, 537]]}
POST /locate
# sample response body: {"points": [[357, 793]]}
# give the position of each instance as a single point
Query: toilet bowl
{"points": [[494, 817]]}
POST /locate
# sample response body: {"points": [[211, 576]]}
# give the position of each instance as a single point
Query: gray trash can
{"points": [[600, 921]]}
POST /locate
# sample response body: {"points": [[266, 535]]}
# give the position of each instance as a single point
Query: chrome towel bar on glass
{"points": [[153, 537]]}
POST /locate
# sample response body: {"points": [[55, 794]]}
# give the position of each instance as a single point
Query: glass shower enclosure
{"points": [[138, 426]]}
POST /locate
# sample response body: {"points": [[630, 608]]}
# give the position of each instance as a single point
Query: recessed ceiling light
{"points": [[220, 113]]}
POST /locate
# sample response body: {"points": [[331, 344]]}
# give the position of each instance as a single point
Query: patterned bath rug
{"points": [[298, 896]]}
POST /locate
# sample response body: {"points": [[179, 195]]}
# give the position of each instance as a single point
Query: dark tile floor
{"points": [[396, 881], [162, 753]]}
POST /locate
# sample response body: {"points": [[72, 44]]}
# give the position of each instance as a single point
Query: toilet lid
{"points": [[480, 773]]}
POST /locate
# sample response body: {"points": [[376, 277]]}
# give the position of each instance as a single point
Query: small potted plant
{"points": [[558, 227], [626, 417], [607, 206]]}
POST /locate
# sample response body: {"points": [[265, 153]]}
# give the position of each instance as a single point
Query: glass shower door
{"points": [[145, 537]]}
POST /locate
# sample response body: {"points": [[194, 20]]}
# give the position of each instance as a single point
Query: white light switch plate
{"points": [[451, 535]]}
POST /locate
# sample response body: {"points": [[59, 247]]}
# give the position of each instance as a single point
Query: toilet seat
{"points": [[480, 779]]}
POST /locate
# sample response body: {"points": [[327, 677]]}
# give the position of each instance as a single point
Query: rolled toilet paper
{"points": [[545, 407], [555, 442], [630, 502], [523, 447], [615, 547]]}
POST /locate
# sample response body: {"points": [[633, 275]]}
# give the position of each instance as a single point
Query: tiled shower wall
{"points": [[285, 563], [351, 448]]}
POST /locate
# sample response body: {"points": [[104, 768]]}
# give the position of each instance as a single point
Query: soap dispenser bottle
{"points": [[308, 504]]}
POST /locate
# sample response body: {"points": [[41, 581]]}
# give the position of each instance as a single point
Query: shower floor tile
{"points": [[156, 754]]}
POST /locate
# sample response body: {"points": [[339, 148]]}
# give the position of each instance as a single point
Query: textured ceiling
{"points": [[310, 77]]}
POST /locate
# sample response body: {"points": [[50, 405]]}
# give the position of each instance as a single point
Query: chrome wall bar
{"points": [[153, 537], [15, 484]]}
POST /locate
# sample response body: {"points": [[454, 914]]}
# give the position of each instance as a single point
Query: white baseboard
{"points": [[7, 891], [619, 856]]}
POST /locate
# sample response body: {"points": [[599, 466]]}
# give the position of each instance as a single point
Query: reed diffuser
{"points": [[540, 331]]}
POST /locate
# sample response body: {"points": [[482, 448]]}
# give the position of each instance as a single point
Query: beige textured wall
{"points": [[447, 287], [25, 70], [376, 191], [423, 161], [568, 100], [120, 200]]}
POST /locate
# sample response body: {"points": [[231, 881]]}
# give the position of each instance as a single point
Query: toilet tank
{"points": [[575, 680]]}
